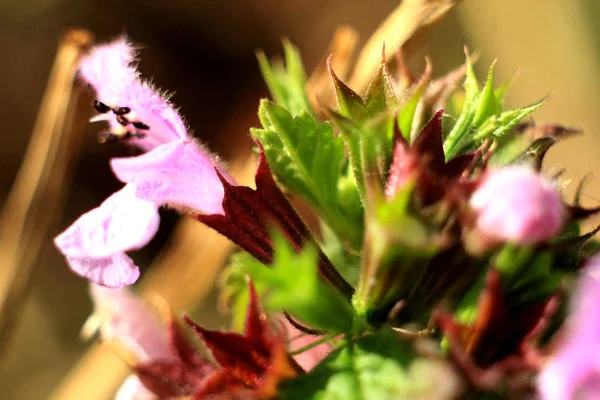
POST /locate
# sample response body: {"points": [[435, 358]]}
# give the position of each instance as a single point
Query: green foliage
{"points": [[527, 274], [482, 115], [235, 293], [286, 84], [346, 261], [292, 283], [307, 158], [380, 96], [408, 108], [366, 124], [374, 367]]}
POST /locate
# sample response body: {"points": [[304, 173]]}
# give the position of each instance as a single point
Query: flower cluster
{"points": [[436, 233]]}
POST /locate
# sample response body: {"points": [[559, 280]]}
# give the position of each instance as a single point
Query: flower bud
{"points": [[516, 204]]}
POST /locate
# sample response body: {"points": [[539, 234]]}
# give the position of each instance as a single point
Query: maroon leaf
{"points": [[429, 143], [499, 342], [221, 385], [253, 360], [185, 350], [424, 161], [177, 376], [168, 378], [250, 213]]}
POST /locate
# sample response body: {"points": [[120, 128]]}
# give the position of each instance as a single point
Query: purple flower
{"points": [[129, 321], [516, 204], [95, 244], [574, 370], [175, 171], [133, 108], [125, 318]]}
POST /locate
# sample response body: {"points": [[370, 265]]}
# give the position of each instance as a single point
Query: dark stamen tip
{"points": [[133, 135], [140, 125], [107, 137], [100, 107], [122, 120], [121, 110]]}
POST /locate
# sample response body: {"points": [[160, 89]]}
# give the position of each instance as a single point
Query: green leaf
{"points": [[482, 116], [452, 144], [351, 134], [350, 104], [408, 108], [235, 294], [503, 123], [292, 283], [527, 274], [487, 105], [380, 96], [344, 260], [286, 84], [374, 367], [307, 158]]}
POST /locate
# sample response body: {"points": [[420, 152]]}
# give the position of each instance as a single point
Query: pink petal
{"points": [[298, 339], [123, 222], [517, 204], [128, 320], [574, 370], [178, 173], [108, 68], [133, 389], [114, 271]]}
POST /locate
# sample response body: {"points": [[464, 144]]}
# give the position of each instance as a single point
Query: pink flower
{"points": [[175, 171], [297, 339], [126, 319], [574, 370], [133, 108], [516, 204], [162, 352]]}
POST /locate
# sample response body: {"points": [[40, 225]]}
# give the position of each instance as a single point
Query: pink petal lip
{"points": [[96, 243], [179, 173], [114, 271], [121, 223]]}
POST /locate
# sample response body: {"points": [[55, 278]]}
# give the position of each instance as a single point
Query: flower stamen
{"points": [[100, 107], [121, 110]]}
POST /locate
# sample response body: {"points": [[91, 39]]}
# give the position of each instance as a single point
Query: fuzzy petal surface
{"points": [[517, 204], [96, 243], [127, 319], [179, 173], [123, 222], [110, 70], [113, 271]]}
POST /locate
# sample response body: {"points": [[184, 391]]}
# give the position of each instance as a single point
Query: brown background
{"points": [[204, 50]]}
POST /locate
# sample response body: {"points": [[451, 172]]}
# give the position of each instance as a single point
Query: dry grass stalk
{"points": [[341, 49], [405, 28], [37, 195]]}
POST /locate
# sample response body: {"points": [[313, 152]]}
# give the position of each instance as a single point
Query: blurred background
{"points": [[204, 51]]}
